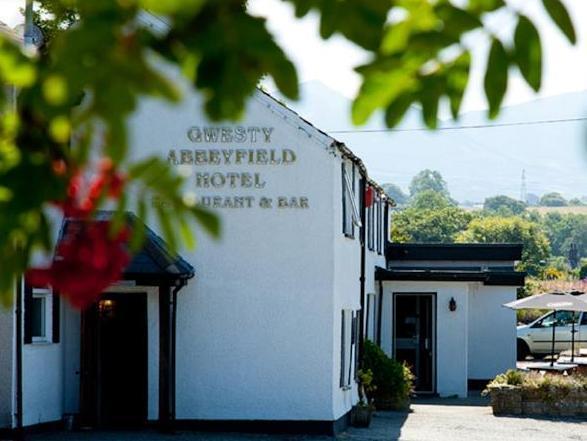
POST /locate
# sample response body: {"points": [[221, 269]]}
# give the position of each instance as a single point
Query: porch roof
{"points": [[154, 263]]}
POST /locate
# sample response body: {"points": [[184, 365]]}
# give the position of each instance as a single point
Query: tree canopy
{"points": [[510, 230], [75, 97], [395, 192], [504, 205], [428, 180], [553, 199]]}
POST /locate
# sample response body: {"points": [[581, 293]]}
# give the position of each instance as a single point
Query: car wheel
{"points": [[523, 350]]}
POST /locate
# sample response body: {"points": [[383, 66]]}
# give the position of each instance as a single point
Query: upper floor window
{"points": [[350, 210]]}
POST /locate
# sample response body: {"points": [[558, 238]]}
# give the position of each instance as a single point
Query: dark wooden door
{"points": [[414, 336], [114, 360]]}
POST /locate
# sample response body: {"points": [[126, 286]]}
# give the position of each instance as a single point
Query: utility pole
{"points": [[523, 189]]}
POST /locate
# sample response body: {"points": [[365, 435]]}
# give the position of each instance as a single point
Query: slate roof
{"points": [[154, 261]]}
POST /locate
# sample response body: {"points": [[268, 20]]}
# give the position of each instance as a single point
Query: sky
{"points": [[332, 62]]}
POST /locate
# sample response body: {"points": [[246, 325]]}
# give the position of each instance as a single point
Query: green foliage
{"points": [[431, 200], [87, 82], [428, 180], [393, 381], [510, 230], [366, 387], [429, 225], [564, 230], [504, 206], [583, 270], [553, 199], [396, 193], [528, 53], [561, 17], [423, 59], [549, 387]]}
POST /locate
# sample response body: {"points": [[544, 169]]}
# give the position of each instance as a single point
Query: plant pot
{"points": [[361, 416]]}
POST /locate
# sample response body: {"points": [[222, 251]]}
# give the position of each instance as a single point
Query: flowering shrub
{"points": [[87, 261], [549, 386], [393, 381]]}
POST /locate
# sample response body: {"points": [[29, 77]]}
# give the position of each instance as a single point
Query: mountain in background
{"points": [[476, 162]]}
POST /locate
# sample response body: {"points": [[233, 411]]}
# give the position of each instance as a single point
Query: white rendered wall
{"points": [[254, 328], [492, 331], [451, 331], [42, 381]]}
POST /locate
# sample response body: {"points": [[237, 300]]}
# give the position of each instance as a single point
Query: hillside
{"points": [[476, 162]]}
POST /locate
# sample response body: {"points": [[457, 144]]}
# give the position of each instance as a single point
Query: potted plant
{"points": [[363, 410]]}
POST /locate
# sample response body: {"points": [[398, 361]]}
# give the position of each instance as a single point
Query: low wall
{"points": [[512, 400]]}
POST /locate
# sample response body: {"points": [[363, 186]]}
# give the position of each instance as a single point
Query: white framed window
{"points": [[351, 217], [41, 315], [348, 347]]}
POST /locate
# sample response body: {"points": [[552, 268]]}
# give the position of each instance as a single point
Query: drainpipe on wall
{"points": [[363, 187], [19, 406]]}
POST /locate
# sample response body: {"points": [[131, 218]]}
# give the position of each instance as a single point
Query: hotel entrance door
{"points": [[414, 336], [114, 361]]}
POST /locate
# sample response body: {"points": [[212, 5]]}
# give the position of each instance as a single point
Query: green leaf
{"points": [[187, 234], [207, 219], [457, 21], [528, 52], [457, 79], [432, 89], [382, 84], [480, 6], [397, 108], [561, 17], [496, 77]]}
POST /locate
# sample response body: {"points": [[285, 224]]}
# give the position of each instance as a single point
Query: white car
{"points": [[536, 338]]}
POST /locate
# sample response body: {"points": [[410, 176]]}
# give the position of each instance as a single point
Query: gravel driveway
{"points": [[449, 420]]}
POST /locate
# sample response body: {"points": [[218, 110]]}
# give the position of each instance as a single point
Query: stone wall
{"points": [[512, 400]]}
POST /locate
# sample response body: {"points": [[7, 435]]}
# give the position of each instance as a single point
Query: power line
{"points": [[475, 126]]}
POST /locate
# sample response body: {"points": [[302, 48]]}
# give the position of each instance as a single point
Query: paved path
{"points": [[449, 421]]}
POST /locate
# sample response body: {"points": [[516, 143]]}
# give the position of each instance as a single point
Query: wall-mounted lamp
{"points": [[452, 304]]}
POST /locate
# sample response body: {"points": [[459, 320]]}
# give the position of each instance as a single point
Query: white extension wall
{"points": [[42, 381], [492, 331], [451, 330]]}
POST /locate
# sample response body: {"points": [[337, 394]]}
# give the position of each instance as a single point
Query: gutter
{"points": [[19, 394], [363, 187]]}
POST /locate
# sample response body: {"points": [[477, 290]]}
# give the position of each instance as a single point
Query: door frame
{"points": [[90, 360], [434, 316]]}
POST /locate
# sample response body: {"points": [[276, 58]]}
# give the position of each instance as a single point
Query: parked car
{"points": [[536, 338]]}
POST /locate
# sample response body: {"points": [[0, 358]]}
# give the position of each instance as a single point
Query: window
{"points": [[380, 226], [371, 317], [41, 315], [348, 347], [370, 224], [563, 318], [350, 211]]}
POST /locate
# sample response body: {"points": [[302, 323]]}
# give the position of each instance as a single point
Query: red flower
{"points": [[82, 198], [88, 260]]}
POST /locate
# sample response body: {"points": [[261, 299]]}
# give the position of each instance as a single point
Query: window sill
{"points": [[345, 388], [349, 236]]}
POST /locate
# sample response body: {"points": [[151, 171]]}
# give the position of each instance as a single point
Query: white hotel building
{"points": [[260, 330]]}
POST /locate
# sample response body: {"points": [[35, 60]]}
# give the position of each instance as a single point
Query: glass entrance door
{"points": [[414, 336]]}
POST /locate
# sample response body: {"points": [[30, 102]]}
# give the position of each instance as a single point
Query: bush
{"points": [[393, 381]]}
